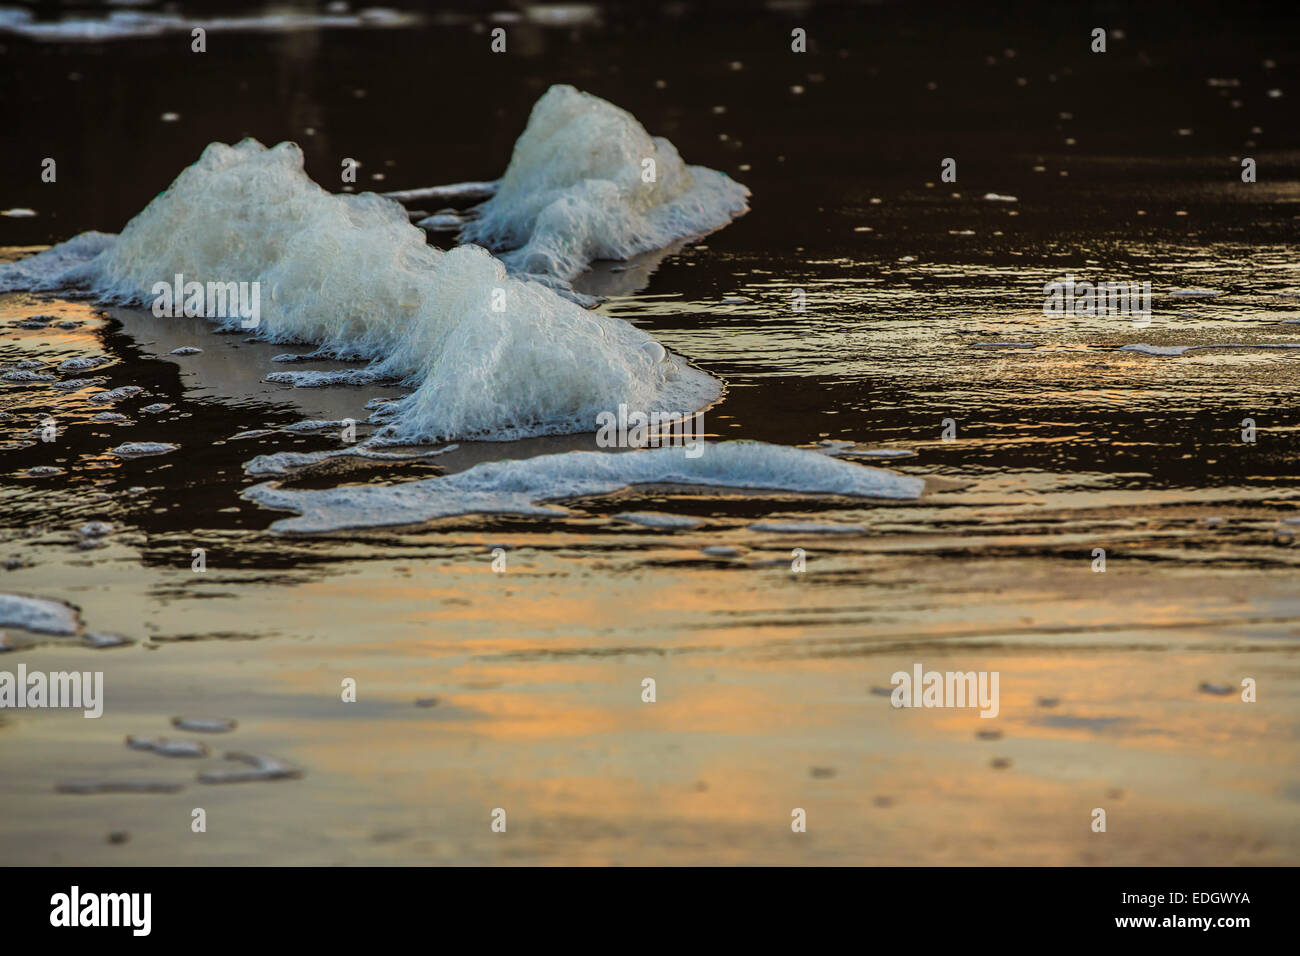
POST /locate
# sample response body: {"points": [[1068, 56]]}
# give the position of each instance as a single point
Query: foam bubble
{"points": [[264, 767], [316, 379], [168, 748], [143, 449], [25, 376], [655, 519], [116, 394], [312, 425], [82, 363], [575, 192], [73, 384]]}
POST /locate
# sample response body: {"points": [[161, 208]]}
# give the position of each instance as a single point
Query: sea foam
{"points": [[576, 190], [38, 614], [132, 24], [520, 486], [487, 356]]}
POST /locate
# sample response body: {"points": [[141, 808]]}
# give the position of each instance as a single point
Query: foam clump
{"points": [[654, 519], [806, 527], [1157, 349], [521, 486], [488, 356], [131, 24], [38, 614], [143, 449], [287, 462], [66, 265], [574, 191]]}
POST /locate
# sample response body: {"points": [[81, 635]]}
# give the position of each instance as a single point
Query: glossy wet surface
{"points": [[861, 300]]}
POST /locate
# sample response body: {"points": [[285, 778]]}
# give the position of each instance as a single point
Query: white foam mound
{"points": [[575, 192], [519, 486], [488, 356]]}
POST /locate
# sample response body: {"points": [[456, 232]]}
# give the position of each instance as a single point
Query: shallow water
{"points": [[926, 305]]}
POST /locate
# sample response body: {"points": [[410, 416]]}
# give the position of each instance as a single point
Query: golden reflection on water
{"points": [[751, 721], [767, 681]]}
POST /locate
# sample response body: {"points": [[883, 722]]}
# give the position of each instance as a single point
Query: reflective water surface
{"points": [[863, 300]]}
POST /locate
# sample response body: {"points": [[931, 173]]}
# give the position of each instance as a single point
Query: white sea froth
{"points": [[143, 449], [488, 356], [520, 486], [133, 24], [38, 614], [653, 519], [287, 462], [1184, 349], [576, 191]]}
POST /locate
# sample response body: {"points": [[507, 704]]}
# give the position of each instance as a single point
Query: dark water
{"points": [[883, 351], [924, 299]]}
